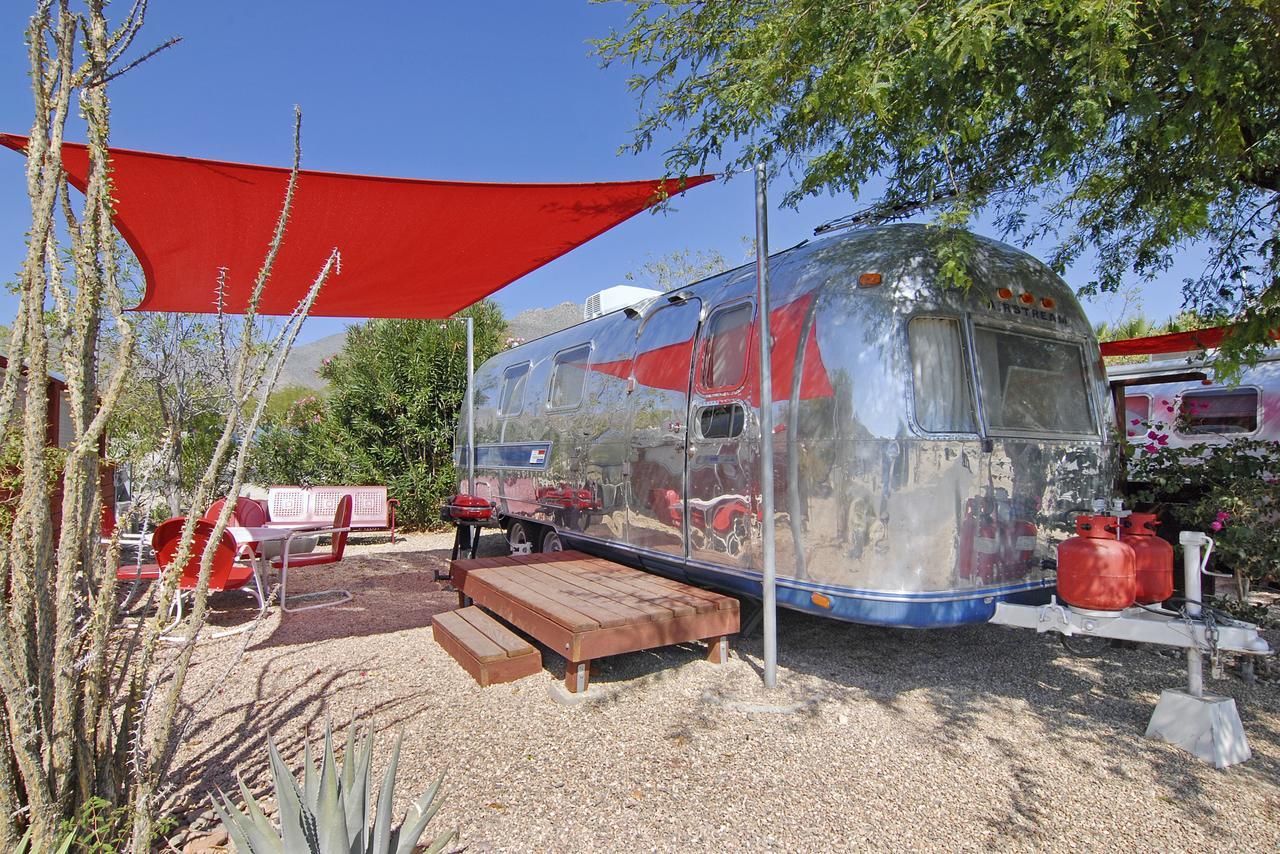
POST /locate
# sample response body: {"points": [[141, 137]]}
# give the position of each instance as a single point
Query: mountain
{"points": [[535, 322], [304, 361], [300, 369]]}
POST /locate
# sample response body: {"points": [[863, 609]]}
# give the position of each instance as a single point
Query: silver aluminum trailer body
{"points": [[931, 444]]}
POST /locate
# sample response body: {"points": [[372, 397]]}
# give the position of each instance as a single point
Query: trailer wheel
{"points": [[521, 533], [551, 541]]}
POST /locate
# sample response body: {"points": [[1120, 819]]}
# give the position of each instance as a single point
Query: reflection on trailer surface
{"points": [[931, 445]]}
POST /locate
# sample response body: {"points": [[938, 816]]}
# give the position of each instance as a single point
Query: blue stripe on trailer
{"points": [[928, 610]]}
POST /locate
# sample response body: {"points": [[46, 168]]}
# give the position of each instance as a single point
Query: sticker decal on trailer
{"points": [[513, 455]]}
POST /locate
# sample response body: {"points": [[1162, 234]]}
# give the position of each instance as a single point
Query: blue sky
{"points": [[482, 91]]}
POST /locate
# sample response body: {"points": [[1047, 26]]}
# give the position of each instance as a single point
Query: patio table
{"points": [[255, 536]]}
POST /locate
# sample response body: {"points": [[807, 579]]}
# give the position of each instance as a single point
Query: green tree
{"points": [[395, 392], [679, 268], [1128, 127]]}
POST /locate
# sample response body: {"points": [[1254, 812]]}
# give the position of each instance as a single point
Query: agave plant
{"points": [[329, 814]]}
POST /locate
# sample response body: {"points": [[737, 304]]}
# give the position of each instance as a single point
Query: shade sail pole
{"points": [[769, 581], [471, 406]]}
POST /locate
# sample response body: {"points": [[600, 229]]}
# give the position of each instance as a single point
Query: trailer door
{"points": [[658, 419]]}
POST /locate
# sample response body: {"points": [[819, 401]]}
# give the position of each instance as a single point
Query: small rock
{"points": [[215, 841]]}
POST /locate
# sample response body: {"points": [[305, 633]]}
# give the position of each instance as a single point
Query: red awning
{"points": [[1172, 342], [410, 248]]}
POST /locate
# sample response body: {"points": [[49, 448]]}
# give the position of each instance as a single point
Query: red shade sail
{"points": [[1173, 342], [410, 248]]}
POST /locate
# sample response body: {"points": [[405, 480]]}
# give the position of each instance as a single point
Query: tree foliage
{"points": [[1128, 127], [395, 392], [677, 269]]}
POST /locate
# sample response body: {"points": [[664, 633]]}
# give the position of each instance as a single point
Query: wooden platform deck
{"points": [[587, 608]]}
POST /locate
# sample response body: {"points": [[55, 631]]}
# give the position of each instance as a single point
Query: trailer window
{"points": [[721, 422], [569, 377], [511, 400], [1032, 385], [1234, 411], [1137, 406], [940, 382], [724, 356]]}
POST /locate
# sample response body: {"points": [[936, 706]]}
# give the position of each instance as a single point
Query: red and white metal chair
{"points": [[339, 530]]}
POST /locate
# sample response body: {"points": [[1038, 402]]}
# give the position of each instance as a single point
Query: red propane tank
{"points": [[1095, 570], [1153, 566]]}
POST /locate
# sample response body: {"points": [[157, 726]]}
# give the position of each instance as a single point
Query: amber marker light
{"points": [[820, 600], [1048, 303], [1004, 293], [869, 280], [1027, 299]]}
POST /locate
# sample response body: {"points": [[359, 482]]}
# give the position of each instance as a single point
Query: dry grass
{"points": [[960, 738]]}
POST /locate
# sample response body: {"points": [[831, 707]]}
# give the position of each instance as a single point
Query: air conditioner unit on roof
{"points": [[615, 298]]}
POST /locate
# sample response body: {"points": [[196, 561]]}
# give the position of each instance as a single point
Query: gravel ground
{"points": [[968, 738]]}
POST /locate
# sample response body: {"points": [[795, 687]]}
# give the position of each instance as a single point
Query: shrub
{"points": [[1230, 491], [395, 391]]}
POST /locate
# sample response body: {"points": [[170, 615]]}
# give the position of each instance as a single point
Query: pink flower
{"points": [[1223, 515], [1169, 408], [1162, 440], [1164, 403], [1132, 434], [1152, 448], [1152, 434], [1135, 422], [1217, 526]]}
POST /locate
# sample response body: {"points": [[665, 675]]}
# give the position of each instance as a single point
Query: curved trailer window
{"points": [[511, 398], [1032, 385], [569, 377], [939, 378], [724, 356]]}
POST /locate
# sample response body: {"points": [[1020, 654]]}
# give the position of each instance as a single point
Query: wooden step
{"points": [[485, 648]]}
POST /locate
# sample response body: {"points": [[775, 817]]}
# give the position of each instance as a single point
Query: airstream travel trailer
{"points": [[931, 445], [1157, 392]]}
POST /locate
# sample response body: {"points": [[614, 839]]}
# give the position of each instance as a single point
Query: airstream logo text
{"points": [[1026, 311]]}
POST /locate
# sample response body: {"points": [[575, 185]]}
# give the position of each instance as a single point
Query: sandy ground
{"points": [[978, 737]]}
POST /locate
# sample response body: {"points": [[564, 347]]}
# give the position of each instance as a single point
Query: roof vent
{"points": [[616, 298]]}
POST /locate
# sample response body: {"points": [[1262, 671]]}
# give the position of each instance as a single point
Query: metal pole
{"points": [[471, 407], [768, 555]]}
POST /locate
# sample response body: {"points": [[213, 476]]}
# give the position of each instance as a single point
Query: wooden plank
{"points": [[519, 613], [638, 636], [673, 600], [511, 643], [549, 607], [481, 647], [470, 563], [575, 589], [561, 602], [719, 600], [601, 584], [488, 673], [700, 600]]}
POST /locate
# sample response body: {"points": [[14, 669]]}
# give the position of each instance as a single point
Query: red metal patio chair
{"points": [[340, 529], [248, 513], [225, 574]]}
